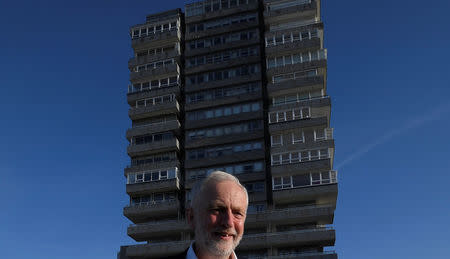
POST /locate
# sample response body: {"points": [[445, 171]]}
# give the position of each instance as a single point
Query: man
{"points": [[217, 215]]}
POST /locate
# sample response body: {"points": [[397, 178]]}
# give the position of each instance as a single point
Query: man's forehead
{"points": [[222, 191]]}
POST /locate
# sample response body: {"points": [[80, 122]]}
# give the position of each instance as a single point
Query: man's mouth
{"points": [[224, 235]]}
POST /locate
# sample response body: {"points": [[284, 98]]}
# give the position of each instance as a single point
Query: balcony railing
{"points": [[135, 89], [301, 156], [315, 179], [327, 134], [296, 58], [287, 210], [153, 124], [286, 4], [151, 34], [152, 203], [300, 99]]}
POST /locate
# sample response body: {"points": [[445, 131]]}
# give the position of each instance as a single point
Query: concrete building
{"points": [[238, 86]]}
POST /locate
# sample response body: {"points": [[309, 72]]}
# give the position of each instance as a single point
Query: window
{"points": [[149, 176], [276, 140], [219, 151], [299, 156], [298, 136], [302, 180], [288, 115], [319, 134], [295, 58]]}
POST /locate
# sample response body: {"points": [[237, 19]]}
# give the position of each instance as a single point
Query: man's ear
{"points": [[190, 216]]}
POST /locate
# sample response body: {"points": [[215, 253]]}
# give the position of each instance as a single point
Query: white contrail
{"points": [[434, 114]]}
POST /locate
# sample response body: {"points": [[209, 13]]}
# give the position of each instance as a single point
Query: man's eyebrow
{"points": [[216, 204]]}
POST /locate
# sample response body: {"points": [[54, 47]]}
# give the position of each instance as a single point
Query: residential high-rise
{"points": [[238, 86]]}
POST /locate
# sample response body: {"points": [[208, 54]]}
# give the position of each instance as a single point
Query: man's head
{"points": [[217, 214]]}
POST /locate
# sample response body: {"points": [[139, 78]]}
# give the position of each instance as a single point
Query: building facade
{"points": [[238, 86]]}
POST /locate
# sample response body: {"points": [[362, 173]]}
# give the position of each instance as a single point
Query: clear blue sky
{"points": [[63, 112]]}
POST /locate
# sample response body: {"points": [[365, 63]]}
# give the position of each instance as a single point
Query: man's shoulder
{"points": [[177, 256]]}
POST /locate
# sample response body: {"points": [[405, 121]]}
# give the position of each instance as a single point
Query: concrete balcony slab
{"points": [[136, 61], [145, 212], [155, 186], [293, 86], [293, 47], [295, 124], [157, 250], [146, 231], [154, 110], [133, 97], [324, 193], [173, 125], [152, 166], [300, 12], [153, 148], [298, 215], [317, 236], [171, 69], [155, 40]]}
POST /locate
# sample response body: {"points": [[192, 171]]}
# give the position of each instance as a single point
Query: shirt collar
{"points": [[191, 254]]}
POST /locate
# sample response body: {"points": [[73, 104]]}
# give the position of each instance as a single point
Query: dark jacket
{"points": [[178, 256]]}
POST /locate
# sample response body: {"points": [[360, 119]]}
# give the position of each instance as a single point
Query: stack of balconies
{"points": [[154, 178], [302, 145]]}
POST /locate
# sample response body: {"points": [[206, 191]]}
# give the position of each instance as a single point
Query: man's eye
{"points": [[238, 214], [215, 211]]}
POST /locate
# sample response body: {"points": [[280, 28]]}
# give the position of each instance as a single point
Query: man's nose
{"points": [[227, 219]]}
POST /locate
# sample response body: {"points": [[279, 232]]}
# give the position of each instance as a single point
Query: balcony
{"points": [[132, 97], [151, 210], [295, 124], [155, 229], [315, 102], [326, 193], [154, 186], [170, 69], [152, 166], [136, 61], [195, 12], [305, 9], [322, 164], [306, 45], [316, 236], [154, 110], [298, 215], [157, 250], [290, 86], [309, 65], [173, 125], [154, 147], [156, 39]]}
